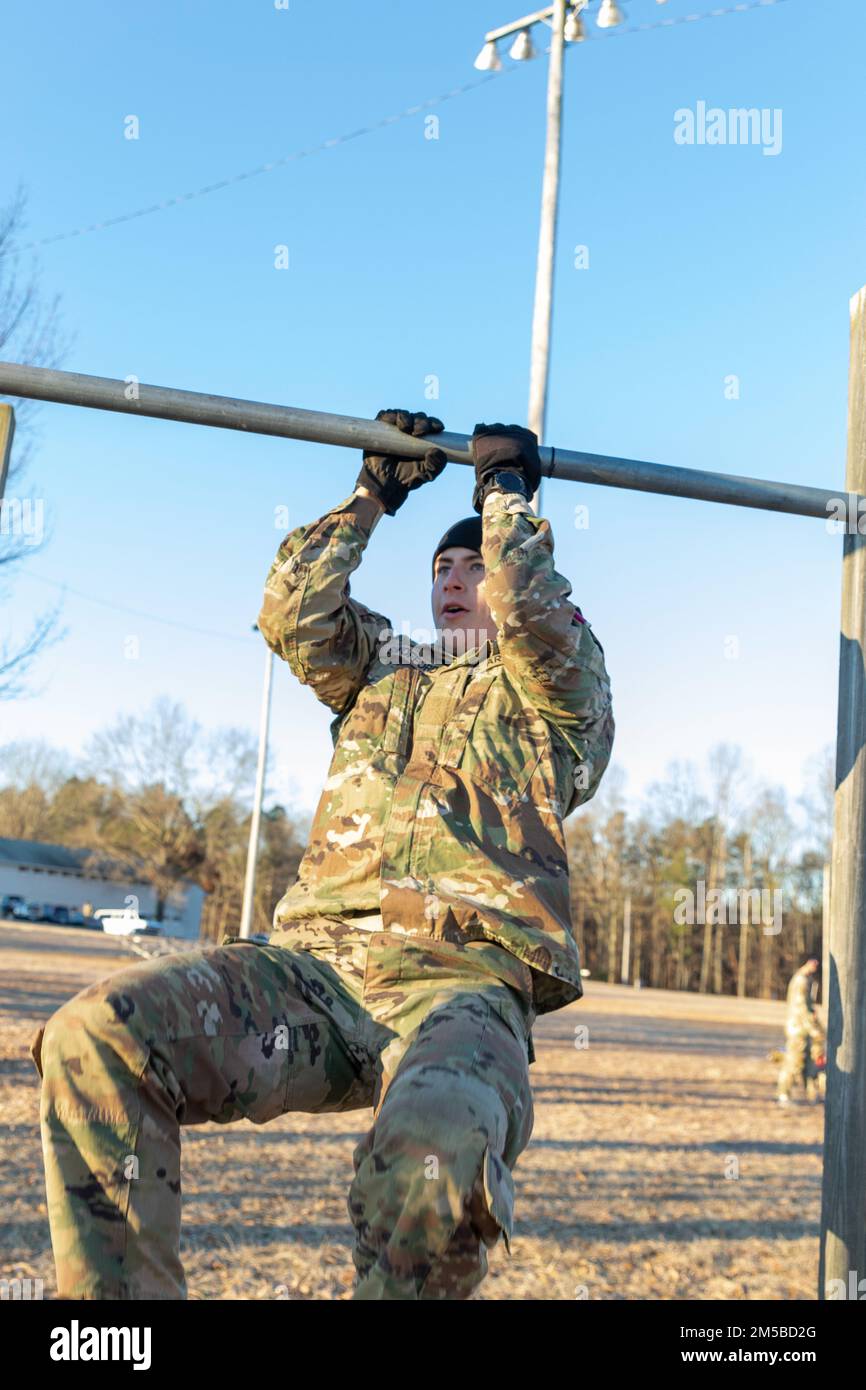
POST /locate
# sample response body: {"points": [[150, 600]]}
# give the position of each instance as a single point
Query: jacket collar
{"points": [[437, 656]]}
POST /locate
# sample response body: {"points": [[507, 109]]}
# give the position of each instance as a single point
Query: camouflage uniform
{"points": [[428, 927], [443, 806], [805, 1038]]}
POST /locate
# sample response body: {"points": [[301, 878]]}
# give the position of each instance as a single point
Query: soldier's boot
{"points": [[432, 1182]]}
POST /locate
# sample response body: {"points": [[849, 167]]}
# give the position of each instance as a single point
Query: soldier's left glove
{"points": [[391, 478], [503, 449]]}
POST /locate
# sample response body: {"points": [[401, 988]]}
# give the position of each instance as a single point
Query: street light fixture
{"points": [[574, 31], [522, 48], [609, 15], [488, 59]]}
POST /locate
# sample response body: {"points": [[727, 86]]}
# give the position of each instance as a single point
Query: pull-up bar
{"points": [[255, 417], [843, 1214]]}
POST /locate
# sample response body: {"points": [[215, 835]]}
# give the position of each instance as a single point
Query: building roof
{"points": [[34, 854], [40, 856]]}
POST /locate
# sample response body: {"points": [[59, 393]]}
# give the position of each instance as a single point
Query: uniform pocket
{"points": [[498, 740]]}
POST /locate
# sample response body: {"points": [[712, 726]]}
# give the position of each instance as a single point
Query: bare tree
{"points": [[175, 814], [33, 771], [29, 332], [166, 746], [679, 795], [819, 776], [34, 762], [727, 774], [773, 839]]}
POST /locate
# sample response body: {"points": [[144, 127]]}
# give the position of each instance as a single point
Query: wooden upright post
{"points": [[626, 939], [825, 941], [7, 430], [843, 1204]]}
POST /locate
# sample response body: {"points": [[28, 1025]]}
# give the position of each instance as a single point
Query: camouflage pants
{"points": [[798, 1066], [428, 1033]]}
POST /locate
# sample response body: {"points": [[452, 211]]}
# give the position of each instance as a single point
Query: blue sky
{"points": [[411, 257]]}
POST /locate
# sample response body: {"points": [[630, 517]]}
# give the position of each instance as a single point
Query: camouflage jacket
{"points": [[444, 803], [802, 1019]]}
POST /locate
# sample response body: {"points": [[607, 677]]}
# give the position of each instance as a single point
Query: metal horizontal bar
{"points": [[518, 24], [319, 427]]}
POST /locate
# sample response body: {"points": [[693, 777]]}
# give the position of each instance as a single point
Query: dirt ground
{"points": [[660, 1166]]}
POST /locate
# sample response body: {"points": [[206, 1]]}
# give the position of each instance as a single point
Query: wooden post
{"points": [[7, 431], [843, 1204], [743, 956], [626, 939], [825, 942]]}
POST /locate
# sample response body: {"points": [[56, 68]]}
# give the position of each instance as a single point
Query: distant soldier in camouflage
{"points": [[805, 1037], [428, 927]]}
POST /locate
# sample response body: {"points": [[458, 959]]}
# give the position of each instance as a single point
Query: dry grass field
{"points": [[660, 1166]]}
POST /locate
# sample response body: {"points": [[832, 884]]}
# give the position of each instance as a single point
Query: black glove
{"points": [[500, 449], [391, 478]]}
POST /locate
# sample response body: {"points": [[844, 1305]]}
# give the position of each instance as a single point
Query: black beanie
{"points": [[466, 533]]}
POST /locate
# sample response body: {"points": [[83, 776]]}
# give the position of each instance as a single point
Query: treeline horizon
{"points": [[166, 802], [738, 836]]}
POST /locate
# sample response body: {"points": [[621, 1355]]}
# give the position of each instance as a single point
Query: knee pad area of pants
{"points": [[429, 1170], [93, 1032]]}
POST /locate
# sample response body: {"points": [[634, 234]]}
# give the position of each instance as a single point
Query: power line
{"points": [[270, 166], [670, 20], [619, 32], [136, 612]]}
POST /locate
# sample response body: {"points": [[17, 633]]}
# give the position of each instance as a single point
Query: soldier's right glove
{"points": [[391, 478], [503, 449]]}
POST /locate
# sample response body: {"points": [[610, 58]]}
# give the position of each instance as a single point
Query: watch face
{"points": [[512, 482]]}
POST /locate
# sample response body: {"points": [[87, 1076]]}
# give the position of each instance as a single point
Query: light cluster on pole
{"points": [[608, 15]]}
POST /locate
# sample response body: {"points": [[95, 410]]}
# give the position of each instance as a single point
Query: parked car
{"points": [[57, 915], [63, 916], [119, 921], [9, 903], [27, 912]]}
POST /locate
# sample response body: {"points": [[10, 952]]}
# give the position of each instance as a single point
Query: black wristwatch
{"points": [[506, 480]]}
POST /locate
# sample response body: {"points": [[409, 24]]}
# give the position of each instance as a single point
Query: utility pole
{"points": [[539, 359], [566, 23], [253, 850]]}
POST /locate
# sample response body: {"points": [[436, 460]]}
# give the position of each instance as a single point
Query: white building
{"points": [[57, 875]]}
